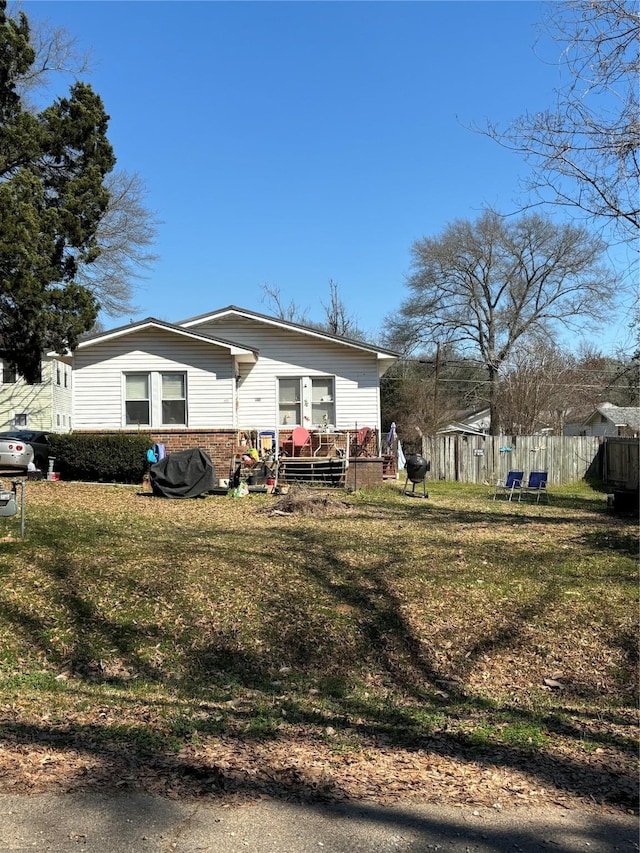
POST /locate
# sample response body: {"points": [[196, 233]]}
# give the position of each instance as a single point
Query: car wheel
{"points": [[41, 462]]}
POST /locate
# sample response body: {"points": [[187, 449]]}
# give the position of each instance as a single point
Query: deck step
{"points": [[329, 471]]}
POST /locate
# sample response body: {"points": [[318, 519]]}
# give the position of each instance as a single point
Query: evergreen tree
{"points": [[52, 197]]}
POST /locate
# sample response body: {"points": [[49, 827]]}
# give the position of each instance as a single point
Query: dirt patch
{"points": [[301, 501]]}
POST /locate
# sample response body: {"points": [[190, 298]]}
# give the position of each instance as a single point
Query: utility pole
{"points": [[435, 388]]}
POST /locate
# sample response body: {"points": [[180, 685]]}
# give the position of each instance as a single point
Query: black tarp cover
{"points": [[185, 474]]}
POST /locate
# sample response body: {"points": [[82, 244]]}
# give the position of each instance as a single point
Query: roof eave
{"points": [[380, 352], [247, 353]]}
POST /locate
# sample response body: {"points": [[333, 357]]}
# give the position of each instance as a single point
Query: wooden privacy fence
{"points": [[487, 458], [621, 462]]}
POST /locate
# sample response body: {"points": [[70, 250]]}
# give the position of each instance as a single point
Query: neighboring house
{"points": [[474, 422], [609, 420], [478, 422], [44, 405], [231, 369]]}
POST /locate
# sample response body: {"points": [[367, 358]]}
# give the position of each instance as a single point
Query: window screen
{"points": [[323, 410], [289, 401], [137, 399], [174, 401]]}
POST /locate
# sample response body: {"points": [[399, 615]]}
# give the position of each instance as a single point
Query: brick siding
{"points": [[223, 444], [364, 472], [220, 444]]}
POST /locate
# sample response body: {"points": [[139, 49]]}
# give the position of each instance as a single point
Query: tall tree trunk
{"points": [[495, 427]]}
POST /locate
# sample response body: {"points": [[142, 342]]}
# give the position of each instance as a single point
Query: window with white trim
{"points": [[174, 398], [137, 400], [306, 401], [323, 407], [290, 401], [21, 419], [155, 399]]}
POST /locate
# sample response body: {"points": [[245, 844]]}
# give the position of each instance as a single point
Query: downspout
{"points": [[236, 401]]}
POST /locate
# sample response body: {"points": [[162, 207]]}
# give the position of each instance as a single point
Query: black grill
{"points": [[416, 468]]}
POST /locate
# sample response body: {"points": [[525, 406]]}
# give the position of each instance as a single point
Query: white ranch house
{"points": [[212, 378]]}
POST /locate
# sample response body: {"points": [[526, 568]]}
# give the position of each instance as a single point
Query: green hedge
{"points": [[113, 458]]}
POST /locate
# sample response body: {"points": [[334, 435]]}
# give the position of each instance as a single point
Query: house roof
{"points": [[243, 353], [381, 352], [188, 328], [467, 422], [461, 428], [621, 416]]}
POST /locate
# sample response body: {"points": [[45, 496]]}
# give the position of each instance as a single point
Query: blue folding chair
{"points": [[512, 483], [536, 485]]}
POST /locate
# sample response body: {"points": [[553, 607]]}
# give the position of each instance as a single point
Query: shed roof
{"points": [[621, 416]]}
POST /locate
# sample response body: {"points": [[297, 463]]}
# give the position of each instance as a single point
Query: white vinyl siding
{"points": [[61, 397], [286, 353], [98, 385], [338, 383]]}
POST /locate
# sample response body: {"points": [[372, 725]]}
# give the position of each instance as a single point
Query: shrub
{"points": [[107, 458]]}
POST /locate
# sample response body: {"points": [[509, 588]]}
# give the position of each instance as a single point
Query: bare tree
{"points": [[272, 299], [125, 234], [484, 286], [426, 393], [545, 386], [584, 150], [626, 383], [338, 321], [408, 397], [606, 379], [537, 390], [56, 52]]}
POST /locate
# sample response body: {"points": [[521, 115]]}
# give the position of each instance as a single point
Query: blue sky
{"points": [[289, 143]]}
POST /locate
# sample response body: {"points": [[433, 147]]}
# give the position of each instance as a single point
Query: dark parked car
{"points": [[39, 441]]}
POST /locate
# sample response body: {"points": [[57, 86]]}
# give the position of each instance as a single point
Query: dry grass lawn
{"points": [[453, 650]]}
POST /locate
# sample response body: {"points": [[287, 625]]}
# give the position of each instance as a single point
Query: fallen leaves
{"points": [[363, 647]]}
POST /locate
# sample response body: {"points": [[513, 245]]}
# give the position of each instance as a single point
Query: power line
{"points": [[488, 382]]}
